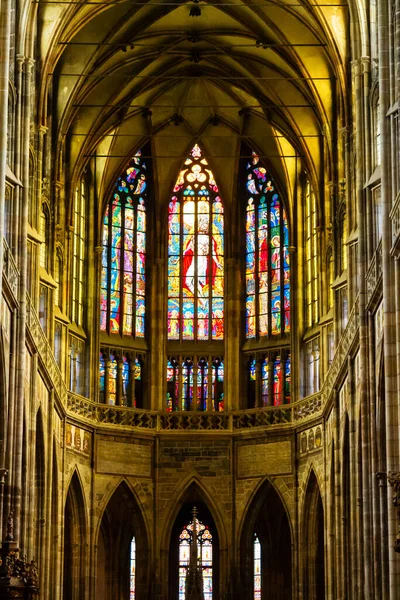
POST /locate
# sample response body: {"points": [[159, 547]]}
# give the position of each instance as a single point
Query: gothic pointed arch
{"points": [[313, 541], [123, 548], [268, 520], [75, 542], [209, 546]]}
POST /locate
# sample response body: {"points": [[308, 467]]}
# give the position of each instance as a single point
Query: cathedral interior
{"points": [[200, 317]]}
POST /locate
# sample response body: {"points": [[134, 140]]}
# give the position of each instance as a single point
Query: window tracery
{"points": [[257, 568], [267, 256], [195, 254], [123, 275], [195, 383], [269, 378], [204, 557]]}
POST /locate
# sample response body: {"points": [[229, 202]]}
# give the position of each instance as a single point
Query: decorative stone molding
{"points": [[311, 440], [10, 271], [19, 578], [395, 219], [374, 274]]}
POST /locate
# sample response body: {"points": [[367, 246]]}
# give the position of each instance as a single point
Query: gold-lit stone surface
{"points": [[126, 458], [264, 459]]}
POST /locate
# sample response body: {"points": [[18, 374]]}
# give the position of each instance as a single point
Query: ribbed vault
{"points": [[122, 73]]}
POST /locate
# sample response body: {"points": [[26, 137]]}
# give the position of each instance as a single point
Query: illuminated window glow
{"points": [[195, 254], [123, 280], [267, 256], [257, 569], [204, 557], [78, 259], [132, 577], [189, 378]]}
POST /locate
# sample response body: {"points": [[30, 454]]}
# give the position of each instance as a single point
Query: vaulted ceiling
{"points": [[271, 73]]}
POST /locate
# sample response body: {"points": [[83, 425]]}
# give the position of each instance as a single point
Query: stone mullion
{"points": [[232, 364], [132, 381], [209, 383], [389, 341], [271, 362], [258, 386]]}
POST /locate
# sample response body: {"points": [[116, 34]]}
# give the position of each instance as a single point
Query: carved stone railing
{"points": [[194, 421], [45, 352], [341, 354], [395, 218], [262, 417], [229, 421], [374, 273], [10, 270], [307, 407]]}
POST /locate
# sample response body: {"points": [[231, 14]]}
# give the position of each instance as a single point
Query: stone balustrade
{"points": [[95, 413]]}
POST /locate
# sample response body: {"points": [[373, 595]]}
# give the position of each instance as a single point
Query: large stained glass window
{"points": [[200, 378], [204, 557], [267, 256], [257, 568], [123, 278], [195, 254], [132, 576]]}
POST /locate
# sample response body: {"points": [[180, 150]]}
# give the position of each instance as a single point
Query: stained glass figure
{"points": [[112, 380], [252, 378], [267, 256], [218, 384], [204, 557], [265, 382], [187, 384], [102, 371], [123, 276], [277, 380], [172, 384], [287, 379], [195, 254], [132, 578], [257, 568]]}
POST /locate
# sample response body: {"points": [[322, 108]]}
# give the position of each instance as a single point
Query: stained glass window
{"points": [[123, 277], [311, 256], [257, 569], [78, 257], [132, 577], [204, 557], [269, 384], [267, 256], [121, 378], [200, 378], [195, 254]]}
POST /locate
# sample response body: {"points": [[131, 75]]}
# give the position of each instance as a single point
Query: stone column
{"points": [[232, 335], [21, 323], [389, 293], [365, 553], [5, 36], [157, 322]]}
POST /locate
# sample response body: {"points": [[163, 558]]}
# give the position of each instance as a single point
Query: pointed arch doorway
{"points": [[208, 551]]}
